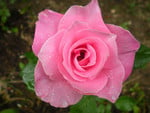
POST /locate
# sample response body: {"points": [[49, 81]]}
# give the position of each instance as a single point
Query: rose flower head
{"points": [[78, 54]]}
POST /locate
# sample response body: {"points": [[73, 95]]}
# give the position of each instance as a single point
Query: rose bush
{"points": [[78, 54]]}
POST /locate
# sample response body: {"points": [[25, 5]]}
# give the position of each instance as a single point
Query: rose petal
{"points": [[83, 33], [112, 89], [58, 93], [127, 59], [92, 59], [115, 72], [68, 39], [49, 56], [113, 53], [90, 14], [91, 86], [78, 64], [112, 73], [46, 26], [96, 39], [101, 55], [127, 47]]}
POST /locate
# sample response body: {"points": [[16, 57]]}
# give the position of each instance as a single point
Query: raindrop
{"points": [[113, 98], [64, 104]]}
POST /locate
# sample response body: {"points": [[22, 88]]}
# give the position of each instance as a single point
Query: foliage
{"points": [[91, 104], [5, 13], [125, 103], [126, 25], [142, 57], [132, 6], [9, 111], [27, 70]]}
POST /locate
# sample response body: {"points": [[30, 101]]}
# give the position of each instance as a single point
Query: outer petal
{"points": [[114, 85], [127, 47], [91, 86], [90, 14], [115, 72], [57, 93], [49, 56], [46, 26]]}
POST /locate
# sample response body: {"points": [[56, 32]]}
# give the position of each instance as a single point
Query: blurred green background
{"points": [[17, 23]]}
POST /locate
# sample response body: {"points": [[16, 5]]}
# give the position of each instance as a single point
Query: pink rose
{"points": [[78, 54]]}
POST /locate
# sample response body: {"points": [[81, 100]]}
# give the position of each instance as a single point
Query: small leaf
{"points": [[28, 75], [101, 108], [88, 104], [21, 65], [12, 1], [142, 57], [126, 25], [9, 111], [31, 57], [125, 103], [4, 14], [136, 109], [14, 30], [108, 108], [27, 72]]}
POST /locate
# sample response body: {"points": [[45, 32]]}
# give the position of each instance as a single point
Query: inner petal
{"points": [[77, 65], [81, 58], [92, 58], [85, 58]]}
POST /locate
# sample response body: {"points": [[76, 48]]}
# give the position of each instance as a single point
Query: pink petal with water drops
{"points": [[90, 14], [49, 56], [127, 47], [56, 92], [46, 26]]}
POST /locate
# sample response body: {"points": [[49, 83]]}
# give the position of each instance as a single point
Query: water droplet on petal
{"points": [[113, 98], [65, 104]]}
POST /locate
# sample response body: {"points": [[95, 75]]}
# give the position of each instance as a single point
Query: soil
{"points": [[134, 14]]}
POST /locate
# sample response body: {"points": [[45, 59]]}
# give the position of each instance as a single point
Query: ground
{"points": [[131, 14]]}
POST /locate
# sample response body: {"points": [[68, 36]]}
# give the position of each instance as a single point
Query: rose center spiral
{"points": [[82, 55]]}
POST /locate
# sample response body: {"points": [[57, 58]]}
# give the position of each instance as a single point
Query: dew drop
{"points": [[44, 14], [113, 98], [64, 104]]}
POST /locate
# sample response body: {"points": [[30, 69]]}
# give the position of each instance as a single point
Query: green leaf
{"points": [[14, 30], [142, 57], [28, 75], [125, 103], [21, 65], [136, 109], [9, 111], [31, 57], [86, 105], [108, 108], [125, 25], [27, 72], [12, 1], [4, 14], [89, 104], [101, 108]]}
